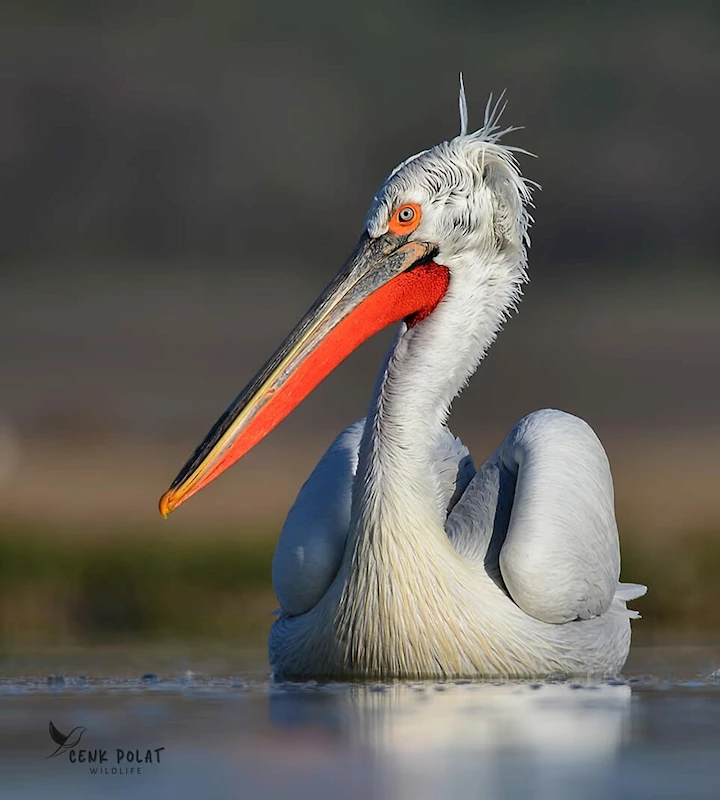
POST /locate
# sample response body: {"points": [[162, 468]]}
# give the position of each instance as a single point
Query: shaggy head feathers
{"points": [[471, 192]]}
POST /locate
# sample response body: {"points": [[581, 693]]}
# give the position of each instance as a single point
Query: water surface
{"points": [[228, 731]]}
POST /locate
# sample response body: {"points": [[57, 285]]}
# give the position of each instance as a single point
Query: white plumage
{"points": [[374, 576]]}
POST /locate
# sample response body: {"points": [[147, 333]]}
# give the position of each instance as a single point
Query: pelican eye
{"points": [[405, 219]]}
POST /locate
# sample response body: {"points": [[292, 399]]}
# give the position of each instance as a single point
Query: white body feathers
{"points": [[410, 604]]}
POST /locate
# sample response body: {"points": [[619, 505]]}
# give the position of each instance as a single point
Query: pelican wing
{"points": [[312, 540], [454, 468], [539, 515]]}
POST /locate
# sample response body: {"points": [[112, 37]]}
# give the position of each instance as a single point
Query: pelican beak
{"points": [[385, 280]]}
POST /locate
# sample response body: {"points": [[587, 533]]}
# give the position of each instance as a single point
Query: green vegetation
{"points": [[71, 589], [683, 576]]}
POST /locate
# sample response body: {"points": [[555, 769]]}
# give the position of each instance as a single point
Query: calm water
{"points": [[228, 732]]}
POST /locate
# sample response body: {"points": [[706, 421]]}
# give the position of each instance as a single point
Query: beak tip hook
{"points": [[166, 505]]}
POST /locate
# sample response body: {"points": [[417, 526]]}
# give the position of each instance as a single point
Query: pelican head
{"points": [[443, 251], [465, 198]]}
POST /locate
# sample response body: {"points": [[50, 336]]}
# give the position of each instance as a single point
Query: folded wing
{"points": [[539, 515]]}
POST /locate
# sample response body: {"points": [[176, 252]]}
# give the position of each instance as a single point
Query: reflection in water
{"points": [[243, 736], [440, 739]]}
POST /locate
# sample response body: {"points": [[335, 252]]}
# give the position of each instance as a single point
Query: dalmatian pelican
{"points": [[399, 559]]}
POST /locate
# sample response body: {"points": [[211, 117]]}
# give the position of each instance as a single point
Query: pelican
{"points": [[399, 559]]}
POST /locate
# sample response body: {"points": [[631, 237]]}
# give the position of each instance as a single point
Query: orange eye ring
{"points": [[405, 219]]}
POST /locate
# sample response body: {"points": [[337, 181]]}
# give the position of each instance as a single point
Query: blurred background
{"points": [[178, 180]]}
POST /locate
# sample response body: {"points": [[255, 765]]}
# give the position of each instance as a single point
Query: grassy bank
{"points": [[67, 588], [80, 589]]}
